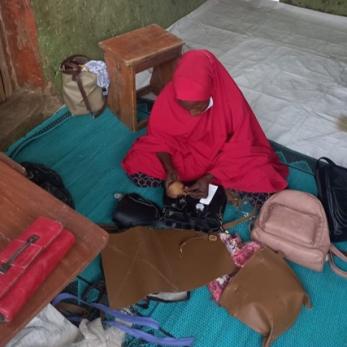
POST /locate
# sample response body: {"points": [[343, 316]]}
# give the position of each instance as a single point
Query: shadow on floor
{"points": [[23, 111]]}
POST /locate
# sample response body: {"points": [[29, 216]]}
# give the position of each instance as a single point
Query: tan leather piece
{"points": [[142, 260], [265, 295]]}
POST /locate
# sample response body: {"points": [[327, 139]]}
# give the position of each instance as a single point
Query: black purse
{"points": [[188, 213], [332, 191], [49, 180], [132, 210], [182, 213]]}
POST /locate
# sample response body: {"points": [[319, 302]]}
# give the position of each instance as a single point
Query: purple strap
{"points": [[142, 321], [165, 341]]}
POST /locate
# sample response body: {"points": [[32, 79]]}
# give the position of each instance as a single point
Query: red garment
{"points": [[226, 140]]}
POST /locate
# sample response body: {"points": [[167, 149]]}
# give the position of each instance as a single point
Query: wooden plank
{"points": [[21, 202], [6, 85], [13, 164], [2, 88]]}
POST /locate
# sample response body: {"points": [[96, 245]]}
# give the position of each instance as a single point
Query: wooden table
{"points": [[21, 202], [133, 52]]}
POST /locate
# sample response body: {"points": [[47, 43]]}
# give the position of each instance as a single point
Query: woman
{"points": [[202, 129]]}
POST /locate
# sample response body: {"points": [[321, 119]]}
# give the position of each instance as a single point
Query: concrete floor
{"points": [[23, 111]]}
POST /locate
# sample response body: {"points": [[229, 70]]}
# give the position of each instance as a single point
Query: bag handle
{"points": [[72, 64], [333, 251], [245, 218], [127, 318], [77, 77], [319, 162]]}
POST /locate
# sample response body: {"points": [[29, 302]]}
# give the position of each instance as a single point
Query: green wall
{"points": [[67, 27], [331, 6]]}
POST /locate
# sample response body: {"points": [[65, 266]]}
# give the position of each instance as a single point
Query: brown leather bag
{"points": [[81, 93], [143, 260], [265, 294]]}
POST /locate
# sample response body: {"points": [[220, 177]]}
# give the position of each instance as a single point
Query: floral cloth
{"points": [[240, 253]]}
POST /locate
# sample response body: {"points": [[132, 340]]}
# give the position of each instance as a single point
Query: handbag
{"points": [[265, 294], [81, 93], [188, 213], [49, 180], [132, 210], [294, 223], [332, 191], [181, 213], [28, 260]]}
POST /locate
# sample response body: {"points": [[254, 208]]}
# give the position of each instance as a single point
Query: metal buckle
{"points": [[4, 267]]}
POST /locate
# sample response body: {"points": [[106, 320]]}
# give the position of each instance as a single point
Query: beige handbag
{"points": [[81, 93], [295, 223]]}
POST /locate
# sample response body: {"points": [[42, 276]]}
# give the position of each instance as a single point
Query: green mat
{"points": [[87, 153]]}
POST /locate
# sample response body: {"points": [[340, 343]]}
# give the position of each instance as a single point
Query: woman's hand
{"points": [[171, 176], [200, 188], [171, 173]]}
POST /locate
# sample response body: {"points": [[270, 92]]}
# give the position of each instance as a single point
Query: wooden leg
{"points": [[122, 92], [112, 98], [126, 87]]}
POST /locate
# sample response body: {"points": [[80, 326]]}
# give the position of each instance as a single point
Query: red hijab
{"points": [[226, 140]]}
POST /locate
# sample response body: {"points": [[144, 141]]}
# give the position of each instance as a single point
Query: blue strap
{"points": [[142, 321], [137, 320], [165, 341]]}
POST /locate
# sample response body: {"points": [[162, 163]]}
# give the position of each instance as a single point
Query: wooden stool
{"points": [[133, 52]]}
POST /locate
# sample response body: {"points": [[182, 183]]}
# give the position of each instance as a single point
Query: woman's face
{"points": [[194, 107]]}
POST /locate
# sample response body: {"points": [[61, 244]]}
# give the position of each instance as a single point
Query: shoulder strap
{"points": [[247, 217], [124, 322], [333, 251], [77, 78]]}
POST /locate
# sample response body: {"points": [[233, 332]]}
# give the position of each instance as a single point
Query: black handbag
{"points": [[133, 210], [188, 213], [332, 191], [49, 180], [181, 213]]}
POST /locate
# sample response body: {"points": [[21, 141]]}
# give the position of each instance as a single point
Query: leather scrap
{"points": [[143, 260]]}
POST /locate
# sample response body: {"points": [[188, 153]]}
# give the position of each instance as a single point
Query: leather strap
{"points": [[77, 78], [210, 237], [333, 251], [247, 217], [320, 163]]}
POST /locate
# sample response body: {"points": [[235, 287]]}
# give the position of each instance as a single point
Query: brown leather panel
{"points": [[142, 260]]}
